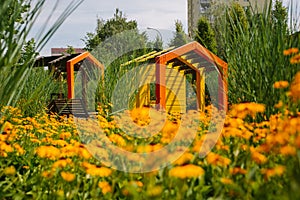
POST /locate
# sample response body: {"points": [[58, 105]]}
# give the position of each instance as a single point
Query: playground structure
{"points": [[167, 69], [68, 64]]}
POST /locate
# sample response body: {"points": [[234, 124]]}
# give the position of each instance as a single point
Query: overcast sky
{"points": [[158, 14]]}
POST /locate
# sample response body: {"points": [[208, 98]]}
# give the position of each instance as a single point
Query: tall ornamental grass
{"points": [[18, 19], [254, 45]]}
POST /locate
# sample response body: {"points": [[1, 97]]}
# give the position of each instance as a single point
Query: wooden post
{"points": [[200, 89], [70, 80], [160, 86], [84, 86]]}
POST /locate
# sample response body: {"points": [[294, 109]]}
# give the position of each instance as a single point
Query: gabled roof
{"points": [[189, 57]]}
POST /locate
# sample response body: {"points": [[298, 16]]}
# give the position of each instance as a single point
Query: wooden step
{"points": [[74, 107]]}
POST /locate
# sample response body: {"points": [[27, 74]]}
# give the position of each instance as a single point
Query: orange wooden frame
{"points": [[70, 70], [162, 60]]}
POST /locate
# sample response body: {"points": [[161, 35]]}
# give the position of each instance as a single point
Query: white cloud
{"points": [[160, 14]]}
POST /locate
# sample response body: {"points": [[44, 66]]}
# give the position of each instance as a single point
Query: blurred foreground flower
{"points": [[186, 171]]}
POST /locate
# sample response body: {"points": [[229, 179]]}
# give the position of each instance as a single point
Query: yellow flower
{"points": [[226, 181], [183, 159], [290, 51], [243, 109], [154, 191], [281, 84], [9, 171], [62, 163], [99, 171], [105, 187], [50, 152], [65, 135], [186, 171], [117, 139], [84, 153], [67, 176]]}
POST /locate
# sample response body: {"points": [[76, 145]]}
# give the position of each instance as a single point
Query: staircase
{"points": [[68, 107]]}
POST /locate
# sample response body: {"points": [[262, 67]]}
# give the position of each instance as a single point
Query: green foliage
{"points": [[237, 22], [36, 92], [115, 42], [16, 54], [180, 38], [255, 56], [70, 50], [106, 29], [205, 35], [280, 16]]}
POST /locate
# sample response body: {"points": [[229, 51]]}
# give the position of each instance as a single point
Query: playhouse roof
{"points": [[189, 57]]}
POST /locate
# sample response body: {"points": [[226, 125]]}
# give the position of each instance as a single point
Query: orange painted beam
{"points": [[70, 70], [70, 80], [160, 86]]}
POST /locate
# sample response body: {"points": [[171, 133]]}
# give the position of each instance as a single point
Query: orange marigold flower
{"points": [[62, 163], [216, 159], [136, 183], [47, 174], [279, 104], [295, 87], [88, 165], [186, 171], [49, 152], [5, 147], [237, 170], [67, 176], [258, 157], [297, 142], [183, 159], [277, 171], [20, 150], [226, 181], [295, 59], [84, 153], [9, 171], [7, 127], [288, 150], [281, 84], [105, 187], [290, 51], [99, 171]]}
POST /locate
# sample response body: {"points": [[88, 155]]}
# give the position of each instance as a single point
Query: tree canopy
{"points": [[180, 38], [205, 35]]}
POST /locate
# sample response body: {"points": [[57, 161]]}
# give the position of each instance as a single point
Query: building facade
{"points": [[199, 8]]}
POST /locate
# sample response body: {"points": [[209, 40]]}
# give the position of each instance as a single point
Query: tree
{"points": [[106, 29], [280, 17], [116, 41], [237, 22], [205, 35], [180, 38]]}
